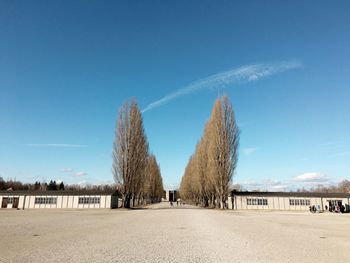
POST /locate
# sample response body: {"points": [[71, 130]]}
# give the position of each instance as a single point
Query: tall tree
{"points": [[61, 186], [130, 152], [222, 149], [209, 171], [344, 186], [153, 186], [2, 184]]}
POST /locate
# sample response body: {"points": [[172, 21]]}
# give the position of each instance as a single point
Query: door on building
{"points": [[335, 205], [15, 202], [4, 202]]}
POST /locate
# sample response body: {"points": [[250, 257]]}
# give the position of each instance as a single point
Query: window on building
{"points": [[302, 202], [334, 202], [257, 201], [10, 200], [46, 200], [89, 200]]}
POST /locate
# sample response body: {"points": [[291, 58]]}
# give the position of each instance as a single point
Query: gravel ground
{"points": [[164, 234]]}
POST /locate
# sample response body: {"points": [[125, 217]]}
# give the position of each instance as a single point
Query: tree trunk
{"points": [[127, 202]]}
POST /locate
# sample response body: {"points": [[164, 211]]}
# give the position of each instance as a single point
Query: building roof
{"points": [[290, 194], [55, 193]]}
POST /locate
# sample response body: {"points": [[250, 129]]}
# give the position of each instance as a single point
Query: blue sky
{"points": [[66, 67]]}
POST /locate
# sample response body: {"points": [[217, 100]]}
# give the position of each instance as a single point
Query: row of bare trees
{"points": [[209, 171], [16, 185], [342, 187], [135, 170]]}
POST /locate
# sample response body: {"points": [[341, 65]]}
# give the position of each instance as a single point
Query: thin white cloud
{"points": [[281, 187], [249, 151], [72, 172], [79, 174], [312, 177], [59, 145], [265, 185], [82, 183], [247, 73], [67, 170], [171, 186], [101, 182], [325, 144], [302, 181], [339, 154]]}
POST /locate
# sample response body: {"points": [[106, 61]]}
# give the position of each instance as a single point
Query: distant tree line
{"points": [[15, 185], [135, 170], [209, 171], [341, 187], [12, 184]]}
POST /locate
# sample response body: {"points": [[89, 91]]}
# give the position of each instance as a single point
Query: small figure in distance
{"points": [[177, 202], [342, 209], [171, 203], [312, 209]]}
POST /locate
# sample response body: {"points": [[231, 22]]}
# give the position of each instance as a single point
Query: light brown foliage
{"points": [[210, 170], [153, 187], [130, 154]]}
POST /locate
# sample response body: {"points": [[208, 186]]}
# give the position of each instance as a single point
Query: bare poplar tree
{"points": [[209, 172], [153, 186], [130, 152], [224, 137], [202, 169], [186, 186]]}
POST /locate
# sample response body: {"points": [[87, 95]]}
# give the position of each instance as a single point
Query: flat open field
{"points": [[172, 235]]}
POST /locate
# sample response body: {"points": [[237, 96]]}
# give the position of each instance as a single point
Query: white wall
{"points": [[63, 201], [20, 201], [281, 203]]}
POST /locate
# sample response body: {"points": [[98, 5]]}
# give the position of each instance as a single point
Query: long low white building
{"points": [[293, 201], [58, 199]]}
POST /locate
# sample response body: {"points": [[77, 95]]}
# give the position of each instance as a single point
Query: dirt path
{"points": [[164, 234]]}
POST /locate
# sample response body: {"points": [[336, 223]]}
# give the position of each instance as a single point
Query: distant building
{"points": [[292, 201], [171, 195], [58, 199]]}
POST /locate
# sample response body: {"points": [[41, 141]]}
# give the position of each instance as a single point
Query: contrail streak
{"points": [[247, 73]]}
